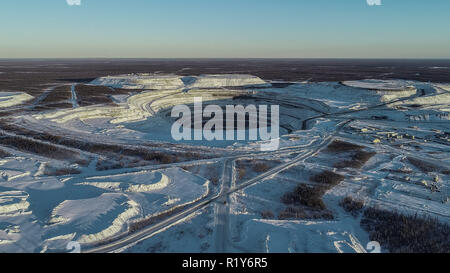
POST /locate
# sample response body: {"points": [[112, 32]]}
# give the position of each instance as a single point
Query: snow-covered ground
{"points": [[8, 99], [137, 107], [46, 203], [88, 210], [381, 85], [163, 82]]}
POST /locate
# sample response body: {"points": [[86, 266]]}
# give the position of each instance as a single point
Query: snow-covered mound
{"points": [[145, 181], [141, 81], [173, 82], [438, 101], [8, 99], [42, 212], [227, 80], [162, 189], [385, 85], [13, 202], [95, 219], [137, 107], [444, 87], [9, 234], [172, 91], [331, 96]]}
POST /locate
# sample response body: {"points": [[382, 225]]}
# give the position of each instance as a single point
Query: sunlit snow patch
{"points": [[145, 181], [13, 203], [8, 99], [94, 219]]}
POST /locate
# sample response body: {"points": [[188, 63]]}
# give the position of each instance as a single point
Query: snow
{"points": [[173, 82], [13, 202], [192, 235], [87, 210], [445, 87], [435, 101], [74, 99], [115, 227], [384, 85], [93, 219], [138, 107], [8, 99], [298, 237], [410, 119], [332, 97], [227, 80], [145, 181], [142, 81]]}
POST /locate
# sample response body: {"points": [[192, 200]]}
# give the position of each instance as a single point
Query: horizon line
{"points": [[217, 58]]}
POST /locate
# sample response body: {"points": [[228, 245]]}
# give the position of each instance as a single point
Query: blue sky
{"points": [[225, 28]]}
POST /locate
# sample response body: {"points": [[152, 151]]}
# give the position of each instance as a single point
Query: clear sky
{"points": [[225, 28]]}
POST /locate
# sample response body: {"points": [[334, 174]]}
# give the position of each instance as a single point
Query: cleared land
{"points": [[88, 157]]}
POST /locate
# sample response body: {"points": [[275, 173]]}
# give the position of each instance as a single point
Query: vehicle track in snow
{"points": [[74, 99], [42, 97]]}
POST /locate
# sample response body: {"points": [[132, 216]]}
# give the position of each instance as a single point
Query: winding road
{"points": [[131, 239]]}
